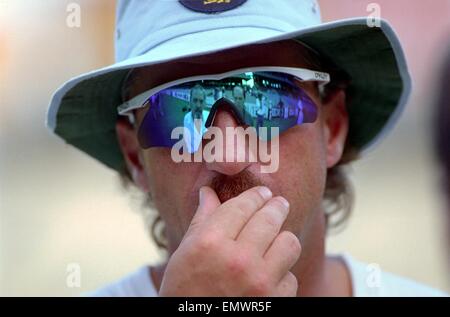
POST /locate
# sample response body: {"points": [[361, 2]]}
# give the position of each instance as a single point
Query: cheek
{"points": [[170, 186], [158, 166], [302, 172]]}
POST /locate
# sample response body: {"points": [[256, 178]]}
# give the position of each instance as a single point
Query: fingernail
{"points": [[265, 192], [284, 201]]}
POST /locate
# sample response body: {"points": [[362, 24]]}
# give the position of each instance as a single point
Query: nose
{"points": [[227, 161]]}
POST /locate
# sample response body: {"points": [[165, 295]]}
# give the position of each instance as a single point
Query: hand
{"points": [[235, 249]]}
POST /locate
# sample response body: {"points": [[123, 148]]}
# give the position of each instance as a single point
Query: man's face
{"points": [[197, 102], [238, 96], [305, 151]]}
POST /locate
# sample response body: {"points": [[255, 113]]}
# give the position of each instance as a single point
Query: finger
{"points": [[208, 202], [283, 254], [260, 231], [231, 216], [288, 286]]}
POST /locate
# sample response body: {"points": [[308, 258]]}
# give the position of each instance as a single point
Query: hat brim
{"points": [[83, 111]]}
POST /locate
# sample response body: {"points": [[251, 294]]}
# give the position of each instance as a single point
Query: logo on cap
{"points": [[211, 6]]}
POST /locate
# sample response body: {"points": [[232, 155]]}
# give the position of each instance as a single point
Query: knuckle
{"points": [[241, 207], [237, 264], [271, 219], [260, 286], [208, 242]]}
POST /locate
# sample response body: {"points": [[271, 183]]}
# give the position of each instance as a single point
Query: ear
{"points": [[128, 142], [335, 125]]}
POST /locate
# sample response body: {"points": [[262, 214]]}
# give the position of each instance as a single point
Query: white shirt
{"points": [[367, 281], [194, 130]]}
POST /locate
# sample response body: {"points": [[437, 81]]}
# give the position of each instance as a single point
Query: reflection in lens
{"points": [[262, 100]]}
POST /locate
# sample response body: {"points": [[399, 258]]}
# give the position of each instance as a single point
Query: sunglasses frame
{"points": [[302, 74]]}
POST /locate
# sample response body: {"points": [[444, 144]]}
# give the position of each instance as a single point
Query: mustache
{"points": [[229, 186]]}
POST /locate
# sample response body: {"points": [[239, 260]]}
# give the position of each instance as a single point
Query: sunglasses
{"points": [[260, 97]]}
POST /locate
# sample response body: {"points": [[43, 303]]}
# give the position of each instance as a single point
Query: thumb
{"points": [[208, 202]]}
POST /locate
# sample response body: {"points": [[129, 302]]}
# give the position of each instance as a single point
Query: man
{"points": [[194, 120], [239, 98], [229, 229]]}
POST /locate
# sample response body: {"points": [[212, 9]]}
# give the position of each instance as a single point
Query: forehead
{"points": [[282, 53]]}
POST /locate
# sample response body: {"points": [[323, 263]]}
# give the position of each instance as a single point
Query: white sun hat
{"points": [[83, 111]]}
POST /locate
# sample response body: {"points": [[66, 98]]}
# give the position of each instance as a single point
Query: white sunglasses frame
{"points": [[303, 74]]}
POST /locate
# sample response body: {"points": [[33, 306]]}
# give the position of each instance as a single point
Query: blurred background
{"points": [[59, 207]]}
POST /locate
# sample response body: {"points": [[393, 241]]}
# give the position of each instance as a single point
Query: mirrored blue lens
{"points": [[258, 99]]}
